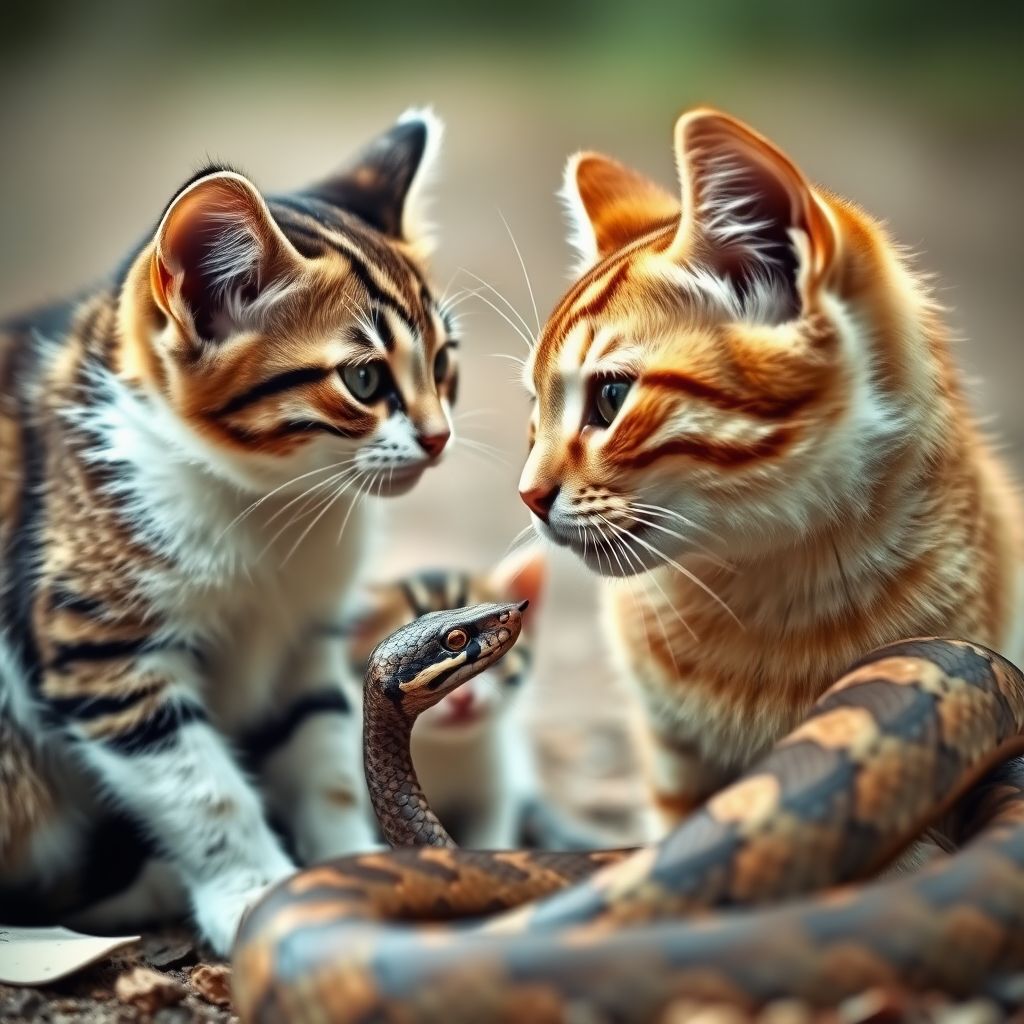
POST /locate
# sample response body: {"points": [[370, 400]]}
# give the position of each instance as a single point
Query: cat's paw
{"points": [[218, 906]]}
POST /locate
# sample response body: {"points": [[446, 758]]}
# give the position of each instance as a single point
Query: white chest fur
{"points": [[244, 578]]}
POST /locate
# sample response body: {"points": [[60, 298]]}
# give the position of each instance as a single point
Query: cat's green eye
{"points": [[364, 380], [610, 398], [442, 361]]}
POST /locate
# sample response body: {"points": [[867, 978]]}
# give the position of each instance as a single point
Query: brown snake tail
{"points": [[892, 747]]}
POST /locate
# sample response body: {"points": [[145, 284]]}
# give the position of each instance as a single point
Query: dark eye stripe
{"points": [[472, 652], [383, 329], [311, 426], [761, 407], [285, 381], [355, 429]]}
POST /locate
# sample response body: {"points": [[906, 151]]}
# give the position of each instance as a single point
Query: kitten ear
{"points": [[384, 183], [610, 206], [749, 213], [218, 251], [520, 577]]}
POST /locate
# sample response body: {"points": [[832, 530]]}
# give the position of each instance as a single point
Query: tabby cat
{"points": [[747, 407], [183, 454], [471, 751]]}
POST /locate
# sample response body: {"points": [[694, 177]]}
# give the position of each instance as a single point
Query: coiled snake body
{"points": [[907, 739]]}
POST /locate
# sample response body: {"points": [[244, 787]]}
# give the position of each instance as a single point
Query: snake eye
{"points": [[456, 639]]}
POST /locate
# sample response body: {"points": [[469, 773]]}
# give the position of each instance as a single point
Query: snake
{"points": [[770, 890]]}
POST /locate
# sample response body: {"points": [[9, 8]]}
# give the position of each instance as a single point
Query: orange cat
{"points": [[747, 407]]}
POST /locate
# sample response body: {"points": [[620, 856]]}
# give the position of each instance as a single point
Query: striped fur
{"points": [[472, 751], [182, 455], [792, 475]]}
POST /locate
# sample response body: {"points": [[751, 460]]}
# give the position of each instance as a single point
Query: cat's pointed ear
{"points": [[384, 184], [749, 212], [610, 206], [520, 577], [218, 253]]}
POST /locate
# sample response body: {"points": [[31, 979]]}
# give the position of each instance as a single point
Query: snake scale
{"points": [[917, 734]]}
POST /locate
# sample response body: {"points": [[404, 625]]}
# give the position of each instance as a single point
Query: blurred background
{"points": [[912, 108]]}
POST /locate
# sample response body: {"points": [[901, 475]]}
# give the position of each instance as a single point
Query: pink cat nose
{"points": [[433, 444], [539, 500]]}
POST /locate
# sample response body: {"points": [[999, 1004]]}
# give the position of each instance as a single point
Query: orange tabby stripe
{"points": [[719, 453], [617, 269], [763, 407]]}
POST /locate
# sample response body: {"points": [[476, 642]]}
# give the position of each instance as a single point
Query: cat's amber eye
{"points": [[456, 639], [442, 362], [366, 381], [609, 400]]}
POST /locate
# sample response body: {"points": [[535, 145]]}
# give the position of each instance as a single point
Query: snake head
{"points": [[421, 662]]}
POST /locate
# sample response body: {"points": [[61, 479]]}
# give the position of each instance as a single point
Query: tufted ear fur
{"points": [[520, 577], [218, 256], [750, 215], [610, 206], [384, 183]]}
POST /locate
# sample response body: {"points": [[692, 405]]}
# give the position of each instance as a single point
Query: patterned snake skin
{"points": [[915, 735]]}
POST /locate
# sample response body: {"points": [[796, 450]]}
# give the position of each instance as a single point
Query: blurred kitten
{"points": [[471, 751]]}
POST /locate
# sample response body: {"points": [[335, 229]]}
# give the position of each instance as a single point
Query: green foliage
{"points": [[789, 25], [966, 58]]}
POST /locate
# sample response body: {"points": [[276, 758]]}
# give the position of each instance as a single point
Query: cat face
{"points": [[386, 607], [701, 388], [298, 334]]}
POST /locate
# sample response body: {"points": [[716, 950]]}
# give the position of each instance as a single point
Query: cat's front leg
{"points": [[147, 738], [309, 756]]}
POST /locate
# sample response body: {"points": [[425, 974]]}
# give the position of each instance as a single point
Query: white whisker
{"points": [[330, 481], [521, 539], [483, 446], [305, 533], [312, 505], [484, 458], [351, 508], [507, 355], [642, 577], [679, 568], [675, 611], [672, 514], [515, 327], [449, 283], [522, 263], [475, 412], [492, 289], [259, 501], [650, 524]]}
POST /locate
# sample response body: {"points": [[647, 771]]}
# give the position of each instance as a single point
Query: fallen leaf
{"points": [[212, 982], [148, 990]]}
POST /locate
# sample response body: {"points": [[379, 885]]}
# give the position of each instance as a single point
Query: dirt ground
{"points": [[87, 163], [166, 979]]}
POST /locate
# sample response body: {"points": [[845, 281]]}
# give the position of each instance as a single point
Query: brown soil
{"points": [[91, 995]]}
